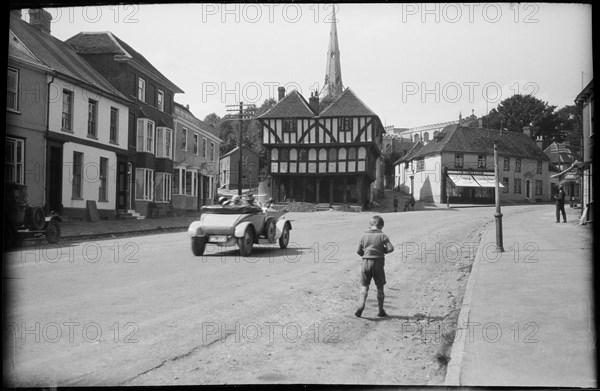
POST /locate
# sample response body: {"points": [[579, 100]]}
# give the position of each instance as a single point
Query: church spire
{"points": [[333, 74]]}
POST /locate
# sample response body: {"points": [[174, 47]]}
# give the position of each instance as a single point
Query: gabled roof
{"points": [[107, 43], [347, 104], [59, 56], [459, 139], [560, 153], [291, 106]]}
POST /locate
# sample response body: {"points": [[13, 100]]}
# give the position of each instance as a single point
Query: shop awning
{"points": [[486, 181], [461, 180], [465, 180]]}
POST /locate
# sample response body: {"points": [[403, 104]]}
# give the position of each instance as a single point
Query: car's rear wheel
{"points": [[53, 232], [246, 242], [284, 239], [38, 218], [198, 246]]}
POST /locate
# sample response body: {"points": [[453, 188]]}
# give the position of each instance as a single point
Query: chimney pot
{"points": [[41, 19], [281, 91], [314, 102]]}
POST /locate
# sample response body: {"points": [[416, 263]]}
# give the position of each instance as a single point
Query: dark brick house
{"points": [[146, 177]]}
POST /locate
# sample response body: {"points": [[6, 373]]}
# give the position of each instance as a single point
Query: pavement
{"points": [[527, 317], [82, 230]]}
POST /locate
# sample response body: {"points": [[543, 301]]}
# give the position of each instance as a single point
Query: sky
{"points": [[412, 64]]}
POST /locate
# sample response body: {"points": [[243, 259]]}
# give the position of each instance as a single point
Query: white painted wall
{"points": [[81, 97], [91, 180]]}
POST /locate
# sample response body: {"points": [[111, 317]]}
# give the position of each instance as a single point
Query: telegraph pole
{"points": [[244, 112], [498, 214]]}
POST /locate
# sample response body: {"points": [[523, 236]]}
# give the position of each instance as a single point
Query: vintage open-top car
{"points": [[244, 226], [22, 220]]}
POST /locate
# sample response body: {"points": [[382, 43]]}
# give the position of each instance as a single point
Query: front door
{"points": [[122, 185], [54, 185], [527, 189]]}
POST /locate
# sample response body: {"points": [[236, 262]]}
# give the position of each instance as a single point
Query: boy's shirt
{"points": [[373, 244]]}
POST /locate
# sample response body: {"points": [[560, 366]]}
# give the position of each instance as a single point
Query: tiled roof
{"points": [[411, 153], [59, 56], [108, 43], [460, 139], [291, 106], [347, 104], [201, 124], [560, 153]]}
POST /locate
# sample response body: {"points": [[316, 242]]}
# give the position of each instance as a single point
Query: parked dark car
{"points": [[22, 220]]}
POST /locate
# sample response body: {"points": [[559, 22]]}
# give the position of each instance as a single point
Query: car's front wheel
{"points": [[198, 246], [246, 242], [284, 239]]}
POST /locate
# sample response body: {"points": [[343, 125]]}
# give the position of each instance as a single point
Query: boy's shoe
{"points": [[358, 312], [382, 314]]}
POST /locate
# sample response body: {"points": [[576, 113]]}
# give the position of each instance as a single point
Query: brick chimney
{"points": [[313, 101], [527, 130], [281, 91], [41, 19], [539, 141]]}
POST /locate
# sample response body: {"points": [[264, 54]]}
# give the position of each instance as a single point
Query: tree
{"points": [[518, 111], [569, 125]]}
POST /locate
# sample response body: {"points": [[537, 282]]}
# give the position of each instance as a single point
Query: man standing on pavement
{"points": [[560, 204], [395, 203]]}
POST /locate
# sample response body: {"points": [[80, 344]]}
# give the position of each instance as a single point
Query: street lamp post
{"points": [[498, 214]]}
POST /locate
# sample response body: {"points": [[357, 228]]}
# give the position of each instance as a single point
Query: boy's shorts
{"points": [[373, 269]]}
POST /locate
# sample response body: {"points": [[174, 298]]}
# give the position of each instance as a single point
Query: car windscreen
{"points": [[228, 210]]}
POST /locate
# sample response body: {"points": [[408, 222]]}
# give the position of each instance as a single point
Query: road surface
{"points": [[145, 311]]}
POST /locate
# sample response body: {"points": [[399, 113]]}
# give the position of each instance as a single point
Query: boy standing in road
{"points": [[372, 247]]}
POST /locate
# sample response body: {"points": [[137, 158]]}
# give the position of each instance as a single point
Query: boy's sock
{"points": [[380, 299]]}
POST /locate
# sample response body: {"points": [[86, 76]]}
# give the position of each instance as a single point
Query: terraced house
{"points": [[196, 160], [146, 177], [457, 166], [84, 123]]}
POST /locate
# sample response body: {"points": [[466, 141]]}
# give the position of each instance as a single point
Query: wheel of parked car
{"points": [[53, 232], [270, 230], [38, 218], [198, 246], [246, 242], [284, 239]]}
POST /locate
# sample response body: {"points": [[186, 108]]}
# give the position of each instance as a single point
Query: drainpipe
{"points": [[47, 135]]}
